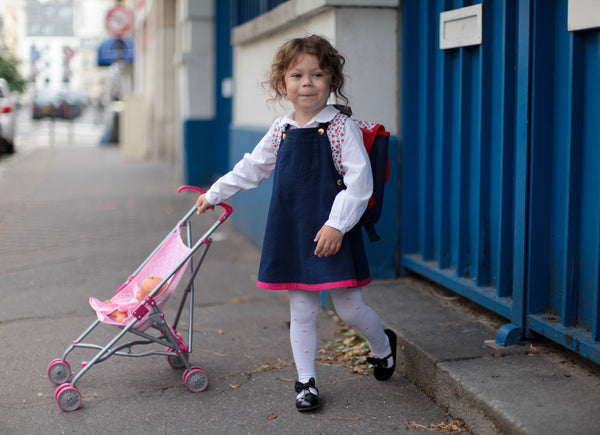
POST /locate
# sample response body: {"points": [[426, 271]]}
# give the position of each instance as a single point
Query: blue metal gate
{"points": [[501, 166]]}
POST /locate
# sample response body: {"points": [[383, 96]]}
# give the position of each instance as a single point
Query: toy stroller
{"points": [[138, 314]]}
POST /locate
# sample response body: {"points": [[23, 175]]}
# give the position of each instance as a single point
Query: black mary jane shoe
{"points": [[307, 401], [380, 369]]}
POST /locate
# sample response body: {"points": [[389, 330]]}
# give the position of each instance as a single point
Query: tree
{"points": [[9, 72]]}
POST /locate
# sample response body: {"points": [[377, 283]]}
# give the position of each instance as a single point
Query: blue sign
{"points": [[112, 50]]}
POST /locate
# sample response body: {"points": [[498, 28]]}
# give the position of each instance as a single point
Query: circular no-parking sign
{"points": [[119, 20]]}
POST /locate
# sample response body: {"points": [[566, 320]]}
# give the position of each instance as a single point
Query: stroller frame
{"points": [[67, 395]]}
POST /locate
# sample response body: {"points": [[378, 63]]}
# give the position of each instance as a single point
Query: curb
{"points": [[446, 347]]}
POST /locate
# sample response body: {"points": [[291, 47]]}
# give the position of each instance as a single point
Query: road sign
{"points": [[119, 20]]}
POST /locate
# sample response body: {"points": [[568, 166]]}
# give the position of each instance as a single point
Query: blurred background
{"points": [[59, 88], [492, 106], [180, 81]]}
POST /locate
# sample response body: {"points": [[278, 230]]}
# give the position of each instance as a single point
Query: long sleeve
{"points": [[350, 204], [255, 167], [248, 173]]}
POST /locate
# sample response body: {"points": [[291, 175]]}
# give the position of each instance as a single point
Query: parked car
{"points": [[71, 105], [8, 117], [46, 104]]}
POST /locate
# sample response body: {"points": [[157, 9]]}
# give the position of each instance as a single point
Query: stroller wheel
{"points": [[59, 389], [68, 398], [175, 361], [195, 380], [59, 371]]}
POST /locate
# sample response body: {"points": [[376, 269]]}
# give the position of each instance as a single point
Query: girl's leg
{"points": [[350, 307], [304, 310]]}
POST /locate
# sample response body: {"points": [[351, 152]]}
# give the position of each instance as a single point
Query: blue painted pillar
{"points": [[198, 152], [206, 91]]}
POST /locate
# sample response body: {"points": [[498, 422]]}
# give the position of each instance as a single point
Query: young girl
{"points": [[312, 242]]}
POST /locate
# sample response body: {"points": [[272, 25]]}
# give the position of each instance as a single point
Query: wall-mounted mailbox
{"points": [[461, 27], [583, 14]]}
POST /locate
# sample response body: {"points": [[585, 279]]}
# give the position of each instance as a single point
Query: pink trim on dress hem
{"points": [[313, 287]]}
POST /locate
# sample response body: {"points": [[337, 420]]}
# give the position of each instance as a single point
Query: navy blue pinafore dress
{"points": [[304, 187]]}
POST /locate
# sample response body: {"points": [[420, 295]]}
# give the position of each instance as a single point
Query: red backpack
{"points": [[376, 141]]}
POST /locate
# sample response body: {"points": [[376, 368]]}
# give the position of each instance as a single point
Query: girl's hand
{"points": [[202, 204], [329, 241]]}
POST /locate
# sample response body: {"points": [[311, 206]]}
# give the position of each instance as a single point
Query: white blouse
{"points": [[254, 168]]}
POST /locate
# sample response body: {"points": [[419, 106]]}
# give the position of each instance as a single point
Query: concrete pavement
{"points": [[74, 222]]}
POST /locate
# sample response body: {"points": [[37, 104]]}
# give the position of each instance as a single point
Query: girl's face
{"points": [[307, 87]]}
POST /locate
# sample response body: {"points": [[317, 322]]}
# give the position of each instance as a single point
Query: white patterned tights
{"points": [[349, 305]]}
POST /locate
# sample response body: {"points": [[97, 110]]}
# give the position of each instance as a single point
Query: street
{"points": [[84, 131]]}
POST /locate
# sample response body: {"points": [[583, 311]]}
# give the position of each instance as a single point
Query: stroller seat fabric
{"points": [[163, 263]]}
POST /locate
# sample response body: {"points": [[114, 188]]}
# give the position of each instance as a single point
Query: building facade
{"points": [[493, 107], [199, 75], [501, 160]]}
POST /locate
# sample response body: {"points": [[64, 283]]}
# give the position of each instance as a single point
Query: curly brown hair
{"points": [[330, 60]]}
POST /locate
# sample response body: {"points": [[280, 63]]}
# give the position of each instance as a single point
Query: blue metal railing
{"points": [[501, 166]]}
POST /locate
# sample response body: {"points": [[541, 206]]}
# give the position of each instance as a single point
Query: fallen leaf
{"points": [[359, 371], [272, 416], [233, 386], [349, 348], [450, 427]]}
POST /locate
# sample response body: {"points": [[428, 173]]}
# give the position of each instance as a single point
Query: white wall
{"points": [[367, 37], [165, 123], [195, 59], [251, 64]]}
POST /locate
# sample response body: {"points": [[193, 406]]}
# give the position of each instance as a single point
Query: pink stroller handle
{"points": [[226, 207]]}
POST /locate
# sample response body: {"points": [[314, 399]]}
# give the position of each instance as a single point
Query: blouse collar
{"points": [[325, 115]]}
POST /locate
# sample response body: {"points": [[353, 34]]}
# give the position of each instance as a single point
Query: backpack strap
{"points": [[278, 128], [370, 131], [335, 134]]}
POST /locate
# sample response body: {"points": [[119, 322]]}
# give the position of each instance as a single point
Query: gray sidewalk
{"points": [[75, 222], [447, 347]]}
